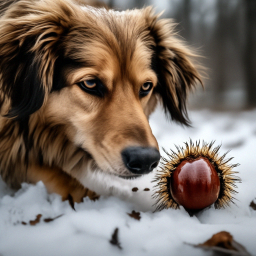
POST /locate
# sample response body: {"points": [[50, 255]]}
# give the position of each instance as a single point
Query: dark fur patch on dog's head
{"points": [[177, 75], [21, 81]]}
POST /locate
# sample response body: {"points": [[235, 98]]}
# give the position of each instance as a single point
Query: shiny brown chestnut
{"points": [[195, 176], [195, 184]]}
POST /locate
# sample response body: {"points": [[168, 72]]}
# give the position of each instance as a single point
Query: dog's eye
{"points": [[93, 86], [146, 88], [90, 83]]}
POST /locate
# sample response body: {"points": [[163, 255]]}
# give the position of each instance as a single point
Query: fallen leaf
{"points": [[135, 215], [223, 242], [37, 220], [135, 189], [71, 202], [146, 189], [253, 205], [52, 219], [114, 239]]}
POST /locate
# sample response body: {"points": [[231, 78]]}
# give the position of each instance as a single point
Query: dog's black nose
{"points": [[140, 160]]}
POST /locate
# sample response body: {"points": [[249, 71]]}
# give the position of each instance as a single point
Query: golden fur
{"points": [[52, 130]]}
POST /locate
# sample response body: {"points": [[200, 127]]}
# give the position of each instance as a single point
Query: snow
{"points": [[88, 230]]}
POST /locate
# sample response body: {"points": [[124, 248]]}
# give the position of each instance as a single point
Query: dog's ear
{"points": [[29, 35], [177, 75]]}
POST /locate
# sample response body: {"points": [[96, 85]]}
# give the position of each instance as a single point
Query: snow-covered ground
{"points": [[88, 230]]}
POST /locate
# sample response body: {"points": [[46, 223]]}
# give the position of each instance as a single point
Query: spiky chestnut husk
{"points": [[163, 196]]}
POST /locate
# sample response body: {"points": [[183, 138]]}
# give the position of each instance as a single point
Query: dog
{"points": [[77, 86]]}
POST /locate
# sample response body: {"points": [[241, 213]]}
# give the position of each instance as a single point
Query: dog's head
{"points": [[97, 72]]}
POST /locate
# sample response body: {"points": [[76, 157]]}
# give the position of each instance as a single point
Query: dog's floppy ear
{"points": [[177, 75], [29, 36]]}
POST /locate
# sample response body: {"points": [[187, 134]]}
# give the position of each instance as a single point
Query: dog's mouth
{"points": [[129, 177]]}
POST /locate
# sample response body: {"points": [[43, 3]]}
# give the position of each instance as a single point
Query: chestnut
{"points": [[195, 177], [195, 184]]}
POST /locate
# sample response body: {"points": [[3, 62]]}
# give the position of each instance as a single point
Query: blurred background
{"points": [[224, 33]]}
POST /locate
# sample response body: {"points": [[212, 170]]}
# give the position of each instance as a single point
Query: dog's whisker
{"points": [[112, 168]]}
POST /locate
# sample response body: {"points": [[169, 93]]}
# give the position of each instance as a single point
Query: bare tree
{"points": [[186, 21], [219, 47], [250, 52]]}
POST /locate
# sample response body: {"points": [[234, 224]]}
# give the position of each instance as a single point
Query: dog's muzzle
{"points": [[140, 160]]}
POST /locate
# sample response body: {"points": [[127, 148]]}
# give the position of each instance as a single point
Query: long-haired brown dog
{"points": [[77, 85]]}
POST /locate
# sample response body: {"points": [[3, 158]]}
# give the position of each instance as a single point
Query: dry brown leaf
{"points": [[222, 239], [253, 205], [223, 242], [135, 215], [146, 189], [135, 189], [37, 220], [52, 219], [115, 240]]}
